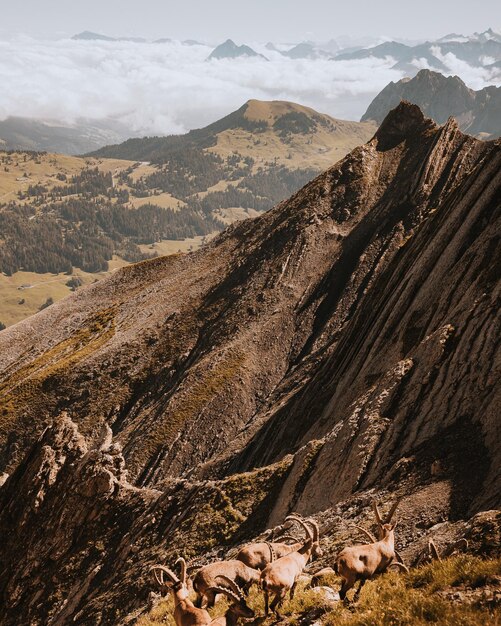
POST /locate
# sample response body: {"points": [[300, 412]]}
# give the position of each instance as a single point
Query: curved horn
{"points": [[159, 579], [301, 521], [399, 565], [316, 529], [433, 550], [231, 585], [462, 544], [285, 538], [183, 569], [369, 535], [162, 569], [273, 556], [227, 592], [399, 556], [392, 511], [377, 513]]}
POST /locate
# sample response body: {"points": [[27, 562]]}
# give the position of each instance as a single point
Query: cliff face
{"points": [[439, 96], [342, 343]]}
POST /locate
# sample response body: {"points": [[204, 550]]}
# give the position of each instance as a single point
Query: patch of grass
{"points": [[461, 570], [249, 487], [26, 383], [218, 513], [189, 403], [160, 615], [411, 600]]}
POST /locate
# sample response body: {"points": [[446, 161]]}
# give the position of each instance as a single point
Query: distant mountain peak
{"points": [[440, 97], [230, 50], [88, 35]]}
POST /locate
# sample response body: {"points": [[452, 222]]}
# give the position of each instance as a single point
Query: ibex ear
{"points": [[394, 524]]}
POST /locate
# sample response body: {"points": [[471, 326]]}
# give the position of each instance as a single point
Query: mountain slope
{"points": [[59, 213], [477, 112], [18, 133], [294, 135], [342, 344]]}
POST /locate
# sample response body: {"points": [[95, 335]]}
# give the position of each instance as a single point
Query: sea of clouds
{"points": [[163, 88]]}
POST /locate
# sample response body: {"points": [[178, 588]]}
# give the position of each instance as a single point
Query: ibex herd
{"points": [[275, 567]]}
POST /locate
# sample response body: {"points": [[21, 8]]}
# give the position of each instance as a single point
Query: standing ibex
{"points": [[186, 613], [205, 579], [363, 562], [379, 522], [281, 575], [258, 555]]}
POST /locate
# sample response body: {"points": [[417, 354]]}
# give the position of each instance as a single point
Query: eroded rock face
{"points": [[343, 345], [79, 539]]}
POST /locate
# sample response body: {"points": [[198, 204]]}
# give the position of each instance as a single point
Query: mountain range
{"points": [[477, 112], [340, 347], [87, 35], [479, 50], [151, 196], [20, 133]]}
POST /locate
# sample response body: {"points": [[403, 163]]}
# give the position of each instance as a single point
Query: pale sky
{"points": [[249, 20]]}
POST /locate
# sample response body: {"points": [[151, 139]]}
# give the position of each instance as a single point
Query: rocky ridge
{"points": [[342, 345]]}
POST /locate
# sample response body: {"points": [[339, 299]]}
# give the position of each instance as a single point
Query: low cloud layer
{"points": [[170, 88]]}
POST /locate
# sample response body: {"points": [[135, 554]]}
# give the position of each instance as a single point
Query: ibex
{"points": [[281, 575], [258, 555], [205, 579], [363, 562], [387, 520], [186, 613], [431, 551]]}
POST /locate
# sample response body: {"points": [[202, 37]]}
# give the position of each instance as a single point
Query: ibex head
{"points": [[385, 527], [171, 584], [312, 533]]}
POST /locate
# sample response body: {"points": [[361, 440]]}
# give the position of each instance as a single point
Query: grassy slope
{"points": [[320, 149], [329, 142], [416, 599], [43, 286], [42, 169]]}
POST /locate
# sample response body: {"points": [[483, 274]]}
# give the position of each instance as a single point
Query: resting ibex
{"points": [[431, 551], [258, 555], [186, 613], [363, 562], [282, 575], [205, 579]]}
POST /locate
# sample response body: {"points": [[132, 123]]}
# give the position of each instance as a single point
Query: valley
{"points": [[63, 216]]}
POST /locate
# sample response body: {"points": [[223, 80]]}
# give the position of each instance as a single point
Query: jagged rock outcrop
{"points": [[79, 538], [343, 344], [439, 97]]}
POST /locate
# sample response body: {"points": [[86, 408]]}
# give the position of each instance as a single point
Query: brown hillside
{"points": [[344, 342]]}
